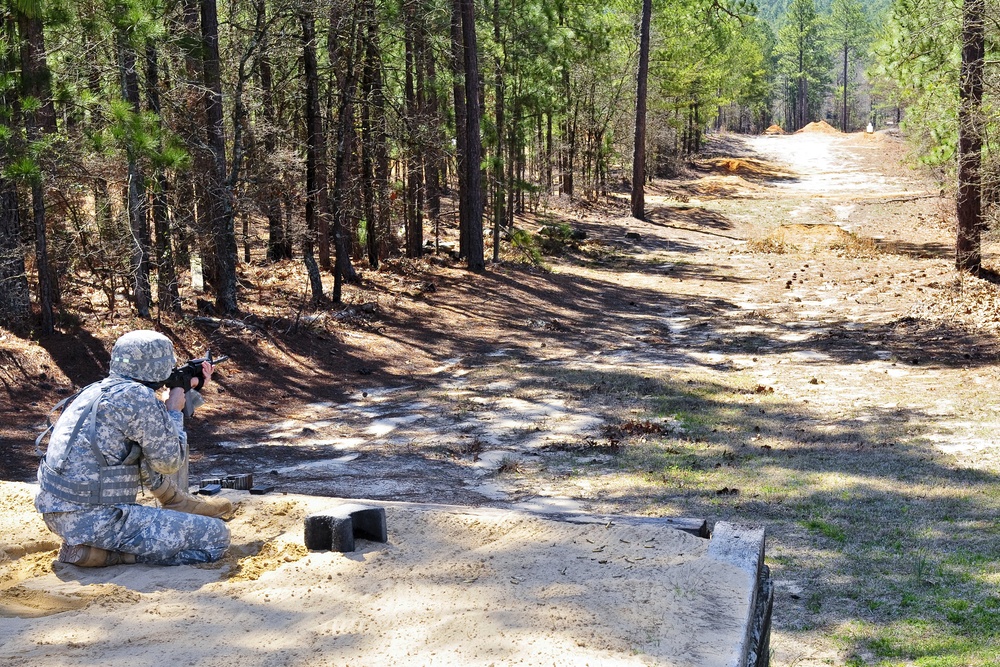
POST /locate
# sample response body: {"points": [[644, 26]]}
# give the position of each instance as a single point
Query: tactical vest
{"points": [[116, 483]]}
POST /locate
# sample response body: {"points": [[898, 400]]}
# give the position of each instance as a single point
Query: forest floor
{"points": [[784, 342]]}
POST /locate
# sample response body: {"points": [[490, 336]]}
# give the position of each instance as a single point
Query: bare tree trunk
{"points": [[968, 252], [844, 119], [279, 245], [474, 144], [136, 199], [433, 152], [15, 295], [315, 168], [167, 294], [414, 219], [499, 214], [343, 270], [15, 300], [375, 162], [219, 193], [36, 83], [639, 150], [461, 128]]}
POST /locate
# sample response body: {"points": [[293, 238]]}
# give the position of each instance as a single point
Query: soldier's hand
{"points": [[207, 369], [175, 400]]}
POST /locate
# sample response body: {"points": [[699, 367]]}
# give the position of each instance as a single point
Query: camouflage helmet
{"points": [[146, 356]]}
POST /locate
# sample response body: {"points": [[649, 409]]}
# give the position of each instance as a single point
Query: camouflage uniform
{"points": [[121, 420]]}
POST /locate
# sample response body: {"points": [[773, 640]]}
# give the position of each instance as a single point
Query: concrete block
{"points": [[337, 530]]}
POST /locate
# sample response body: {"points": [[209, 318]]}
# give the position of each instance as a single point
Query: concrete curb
{"points": [[743, 546]]}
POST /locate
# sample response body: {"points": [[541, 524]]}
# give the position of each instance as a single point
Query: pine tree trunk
{"points": [[461, 128], [414, 221], [136, 198], [15, 299], [432, 113], [639, 150], [968, 252], [218, 191], [167, 294], [374, 149], [474, 145], [315, 168], [36, 83], [844, 119], [339, 212]]}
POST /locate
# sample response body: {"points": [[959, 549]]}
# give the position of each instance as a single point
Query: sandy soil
{"points": [[449, 588], [512, 389]]}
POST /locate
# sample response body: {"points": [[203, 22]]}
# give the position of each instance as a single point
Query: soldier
{"points": [[114, 435]]}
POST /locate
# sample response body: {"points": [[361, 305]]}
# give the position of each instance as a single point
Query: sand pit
{"points": [[451, 587]]}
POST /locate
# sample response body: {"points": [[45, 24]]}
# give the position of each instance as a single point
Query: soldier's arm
{"points": [[161, 428]]}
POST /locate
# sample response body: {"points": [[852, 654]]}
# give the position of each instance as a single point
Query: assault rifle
{"points": [[184, 375]]}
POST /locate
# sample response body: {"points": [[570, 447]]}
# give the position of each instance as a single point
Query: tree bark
{"points": [[15, 299], [136, 198], [499, 214], [413, 125], [15, 295], [218, 191], [375, 161], [844, 119], [36, 83], [338, 201], [167, 295], [968, 252], [316, 204], [461, 127], [639, 150], [474, 145]]}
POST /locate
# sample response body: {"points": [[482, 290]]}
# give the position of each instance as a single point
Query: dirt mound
{"points": [[819, 126], [740, 166], [774, 129], [808, 238]]}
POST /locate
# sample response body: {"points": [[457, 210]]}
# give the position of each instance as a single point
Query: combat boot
{"points": [[83, 555], [173, 498]]}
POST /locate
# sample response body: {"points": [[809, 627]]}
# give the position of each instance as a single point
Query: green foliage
{"points": [[23, 168], [524, 241], [918, 57]]}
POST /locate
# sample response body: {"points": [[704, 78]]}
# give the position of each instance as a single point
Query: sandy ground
{"points": [[449, 588]]}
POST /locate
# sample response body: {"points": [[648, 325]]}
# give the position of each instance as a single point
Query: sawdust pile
{"points": [[819, 126], [774, 129], [740, 166], [475, 587]]}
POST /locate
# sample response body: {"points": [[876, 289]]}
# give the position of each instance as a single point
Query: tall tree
{"points": [[968, 255], [39, 120], [219, 190], [848, 30], [639, 151], [316, 192], [473, 138], [167, 294], [136, 189], [15, 299]]}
